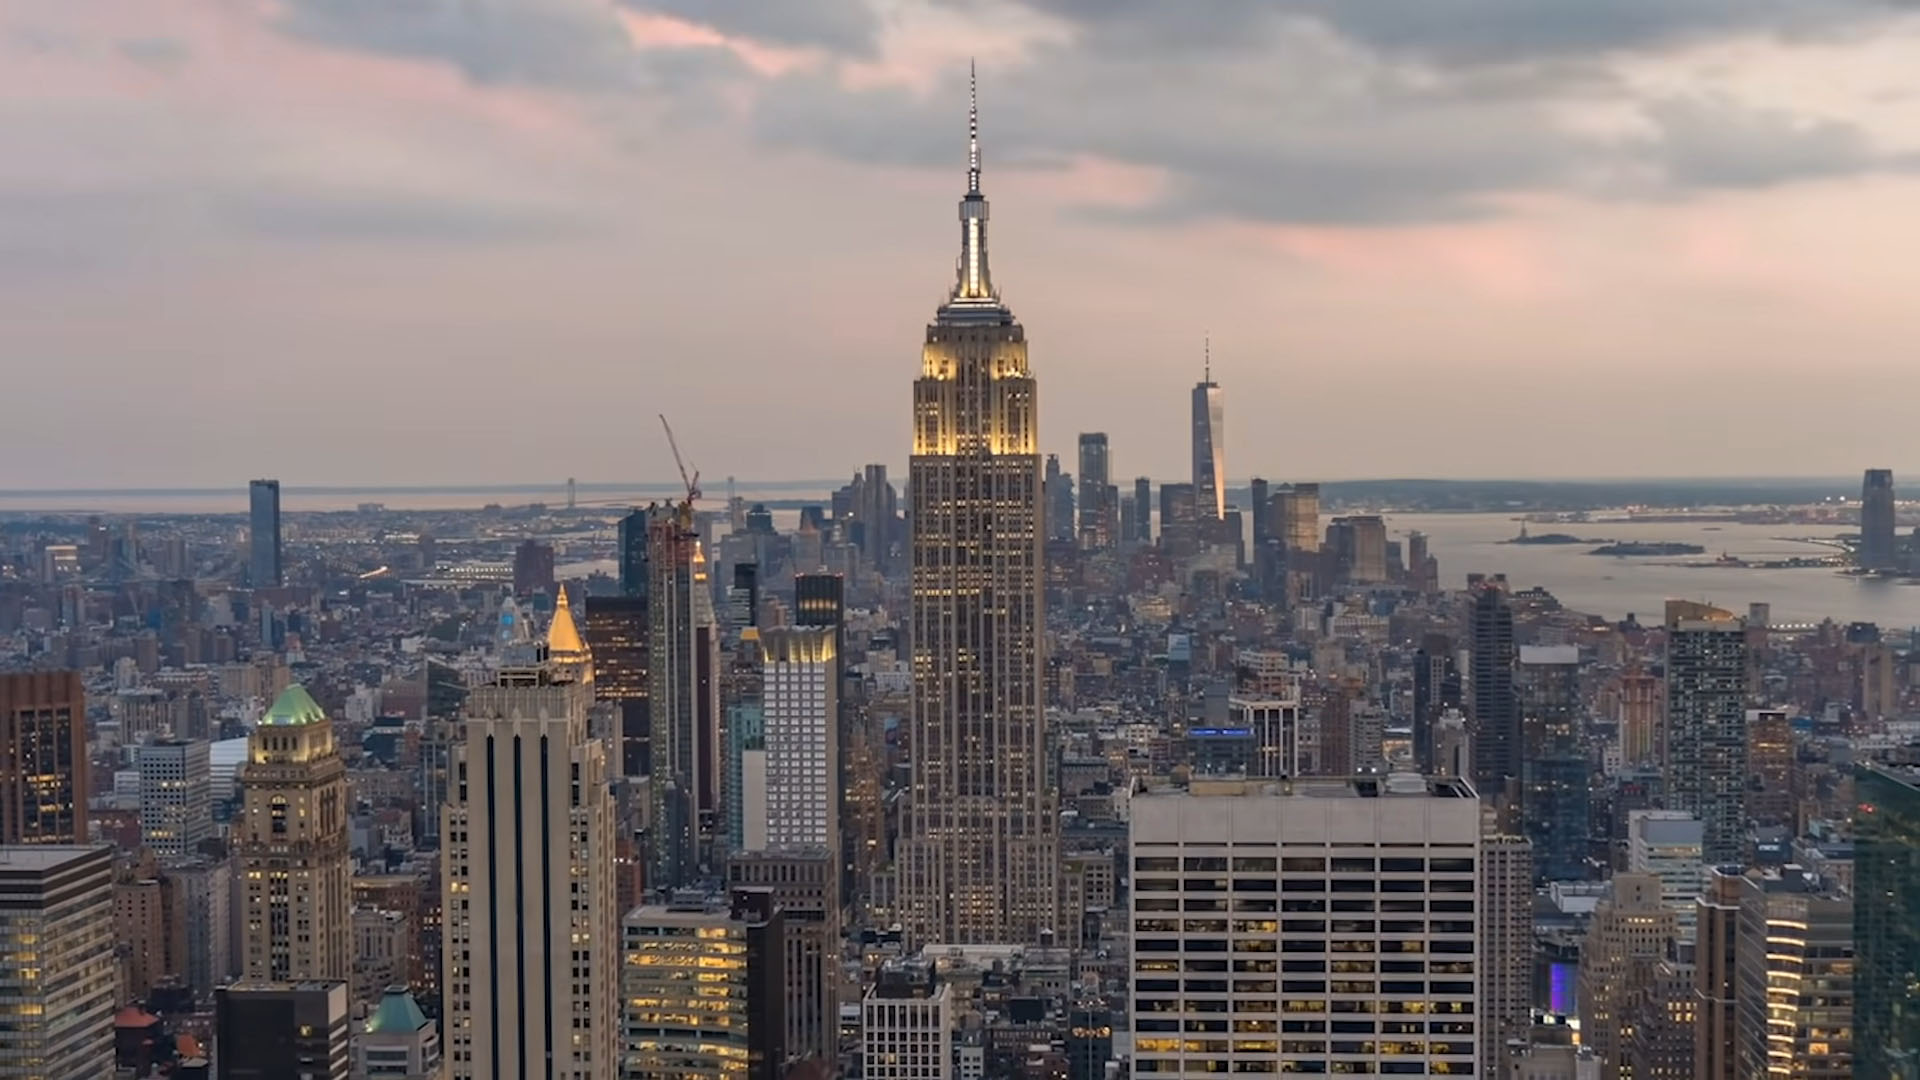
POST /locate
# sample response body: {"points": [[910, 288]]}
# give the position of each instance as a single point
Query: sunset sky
{"points": [[417, 241]]}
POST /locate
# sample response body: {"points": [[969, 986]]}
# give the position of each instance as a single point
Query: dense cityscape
{"points": [[1011, 768]]}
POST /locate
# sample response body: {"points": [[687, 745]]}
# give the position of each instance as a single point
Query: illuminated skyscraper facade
{"points": [[43, 758], [978, 856], [1706, 758], [1099, 509], [296, 873], [531, 953], [683, 703]]}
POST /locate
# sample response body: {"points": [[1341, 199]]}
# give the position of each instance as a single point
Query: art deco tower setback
{"points": [[979, 851], [293, 847]]}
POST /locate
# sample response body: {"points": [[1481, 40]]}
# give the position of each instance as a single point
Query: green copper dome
{"points": [[397, 1013], [294, 706]]}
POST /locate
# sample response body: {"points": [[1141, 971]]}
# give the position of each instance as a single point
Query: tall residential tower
{"points": [[979, 849], [1706, 761]]}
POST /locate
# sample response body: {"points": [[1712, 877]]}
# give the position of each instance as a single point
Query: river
{"points": [[1464, 543], [1615, 587]]}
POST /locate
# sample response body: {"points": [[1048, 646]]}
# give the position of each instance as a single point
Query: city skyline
{"points": [[425, 209]]}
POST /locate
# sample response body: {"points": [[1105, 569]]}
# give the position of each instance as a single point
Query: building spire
{"points": [[1206, 352], [973, 129], [973, 288]]}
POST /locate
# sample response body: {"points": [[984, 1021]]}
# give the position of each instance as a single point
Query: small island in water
{"points": [[1648, 547], [1549, 538]]}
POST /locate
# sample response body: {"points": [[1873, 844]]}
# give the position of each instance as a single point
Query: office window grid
{"points": [[1268, 958]]}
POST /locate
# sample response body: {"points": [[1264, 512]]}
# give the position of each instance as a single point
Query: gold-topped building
{"points": [[978, 859], [292, 844], [531, 960], [566, 650]]}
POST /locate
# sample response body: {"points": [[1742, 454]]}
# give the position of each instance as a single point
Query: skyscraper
{"points": [[1631, 924], [1400, 857], [1794, 977], [1554, 769], [532, 568], [1097, 512], [1058, 489], [43, 758], [1706, 764], [683, 703], [801, 709], [57, 952], [1259, 498], [618, 637], [696, 1003], [293, 848], [1506, 943], [1436, 688], [632, 553], [1886, 928], [979, 847], [1715, 974], [532, 935], [1494, 709], [805, 883], [1143, 509], [1209, 448], [176, 802], [1876, 520], [263, 534], [1295, 513], [1666, 844], [819, 599]]}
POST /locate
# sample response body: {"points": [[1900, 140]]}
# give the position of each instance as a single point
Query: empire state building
{"points": [[980, 850]]}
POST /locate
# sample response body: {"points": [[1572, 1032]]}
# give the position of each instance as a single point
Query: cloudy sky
{"points": [[416, 241]]}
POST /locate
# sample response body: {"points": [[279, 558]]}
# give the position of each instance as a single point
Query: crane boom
{"points": [[692, 482]]}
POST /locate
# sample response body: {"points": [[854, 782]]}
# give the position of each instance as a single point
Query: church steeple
{"points": [[973, 293]]}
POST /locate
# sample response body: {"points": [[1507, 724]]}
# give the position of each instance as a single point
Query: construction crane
{"points": [[692, 482]]}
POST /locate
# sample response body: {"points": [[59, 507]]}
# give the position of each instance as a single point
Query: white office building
{"points": [[801, 708], [906, 1024], [1324, 926], [1667, 844], [176, 805]]}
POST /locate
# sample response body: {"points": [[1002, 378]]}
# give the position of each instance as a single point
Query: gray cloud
{"points": [[1341, 111], [1263, 116], [1454, 30], [848, 26], [572, 43]]}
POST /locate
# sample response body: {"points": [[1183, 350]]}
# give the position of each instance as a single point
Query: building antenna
{"points": [[1206, 348], [973, 128]]}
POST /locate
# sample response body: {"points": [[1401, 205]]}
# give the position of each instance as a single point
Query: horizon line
{"points": [[674, 487]]}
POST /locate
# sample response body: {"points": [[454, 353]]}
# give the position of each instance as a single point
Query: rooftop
{"points": [[397, 1013], [294, 707], [1365, 786], [1549, 654], [37, 858]]}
